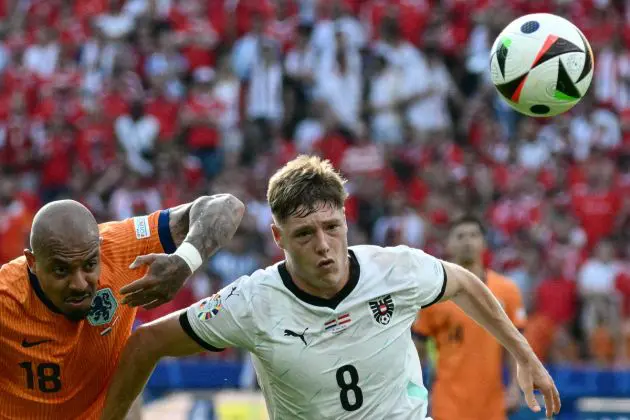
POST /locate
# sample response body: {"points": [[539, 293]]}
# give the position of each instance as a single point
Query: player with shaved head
{"points": [[67, 306], [65, 232]]}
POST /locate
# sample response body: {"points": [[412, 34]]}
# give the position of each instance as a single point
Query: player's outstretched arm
{"points": [[478, 302], [145, 347], [199, 229]]}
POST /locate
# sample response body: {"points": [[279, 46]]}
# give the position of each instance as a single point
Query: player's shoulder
{"points": [[386, 255], [14, 284], [263, 278]]}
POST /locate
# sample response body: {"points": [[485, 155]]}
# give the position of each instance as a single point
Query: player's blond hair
{"points": [[302, 186]]}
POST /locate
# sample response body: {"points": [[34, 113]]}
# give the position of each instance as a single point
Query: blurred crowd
{"points": [[135, 105]]}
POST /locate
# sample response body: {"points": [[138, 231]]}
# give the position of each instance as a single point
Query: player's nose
{"points": [[78, 282], [321, 243]]}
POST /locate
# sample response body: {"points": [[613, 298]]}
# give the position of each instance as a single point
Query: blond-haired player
{"points": [[329, 328]]}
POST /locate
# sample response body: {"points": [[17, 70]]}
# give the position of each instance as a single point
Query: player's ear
{"points": [[30, 260], [100, 240], [277, 235]]}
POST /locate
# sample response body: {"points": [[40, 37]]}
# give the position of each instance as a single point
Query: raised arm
{"points": [[146, 346], [223, 320], [478, 302], [198, 229]]}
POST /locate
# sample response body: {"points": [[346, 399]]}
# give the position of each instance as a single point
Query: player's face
{"points": [[465, 244], [69, 275], [316, 245]]}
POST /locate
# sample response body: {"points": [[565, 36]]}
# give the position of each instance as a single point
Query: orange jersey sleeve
{"points": [[55, 368], [125, 240]]}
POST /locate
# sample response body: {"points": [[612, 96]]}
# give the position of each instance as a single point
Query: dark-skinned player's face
{"points": [[68, 275], [466, 243]]}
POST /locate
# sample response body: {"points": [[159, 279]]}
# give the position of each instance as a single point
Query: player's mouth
{"points": [[327, 263], [78, 300]]}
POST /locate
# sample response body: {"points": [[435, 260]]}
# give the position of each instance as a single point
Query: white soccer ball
{"points": [[541, 65]]}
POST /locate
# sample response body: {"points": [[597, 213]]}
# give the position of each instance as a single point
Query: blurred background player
{"points": [[468, 376], [69, 303]]}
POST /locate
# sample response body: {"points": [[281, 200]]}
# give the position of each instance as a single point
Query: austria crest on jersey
{"points": [[103, 308], [382, 309]]}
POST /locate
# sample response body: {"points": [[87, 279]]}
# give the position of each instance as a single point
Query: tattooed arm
{"points": [[206, 224]]}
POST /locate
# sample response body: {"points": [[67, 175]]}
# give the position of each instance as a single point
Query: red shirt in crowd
{"points": [[597, 213], [202, 135], [557, 299]]}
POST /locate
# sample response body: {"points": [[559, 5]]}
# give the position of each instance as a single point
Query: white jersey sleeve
{"points": [[224, 319], [429, 277]]}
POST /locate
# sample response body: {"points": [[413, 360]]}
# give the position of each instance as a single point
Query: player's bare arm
{"points": [[146, 346], [478, 302], [199, 229]]}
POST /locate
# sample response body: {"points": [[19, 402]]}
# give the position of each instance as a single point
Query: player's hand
{"points": [[532, 376], [166, 275]]}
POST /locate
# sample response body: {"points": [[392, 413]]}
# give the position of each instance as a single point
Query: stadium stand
{"points": [[133, 105]]}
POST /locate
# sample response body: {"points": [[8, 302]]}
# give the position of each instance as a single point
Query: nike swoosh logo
{"points": [[33, 343]]}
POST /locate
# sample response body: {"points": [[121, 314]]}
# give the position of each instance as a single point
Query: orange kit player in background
{"points": [[468, 381], [67, 306]]}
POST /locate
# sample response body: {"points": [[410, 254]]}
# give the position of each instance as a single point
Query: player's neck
{"points": [[476, 268]]}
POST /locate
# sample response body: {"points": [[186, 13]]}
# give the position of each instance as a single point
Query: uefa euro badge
{"points": [[210, 307], [103, 308], [382, 309]]}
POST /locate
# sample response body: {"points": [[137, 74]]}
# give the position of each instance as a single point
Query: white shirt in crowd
{"points": [[265, 91]]}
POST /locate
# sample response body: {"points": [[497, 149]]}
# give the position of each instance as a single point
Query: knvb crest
{"points": [[103, 308], [382, 309]]}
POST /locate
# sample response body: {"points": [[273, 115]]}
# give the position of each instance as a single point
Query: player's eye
{"points": [[60, 271], [333, 227], [90, 265]]}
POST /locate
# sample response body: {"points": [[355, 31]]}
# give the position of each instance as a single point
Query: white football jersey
{"points": [[349, 357]]}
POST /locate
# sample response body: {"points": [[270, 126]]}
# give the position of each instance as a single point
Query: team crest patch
{"points": [[103, 308], [210, 307], [382, 309]]}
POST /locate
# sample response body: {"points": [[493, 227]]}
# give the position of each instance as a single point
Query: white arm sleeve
{"points": [[429, 275], [222, 320]]}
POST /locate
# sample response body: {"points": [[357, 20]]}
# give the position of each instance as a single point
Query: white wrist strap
{"points": [[190, 255]]}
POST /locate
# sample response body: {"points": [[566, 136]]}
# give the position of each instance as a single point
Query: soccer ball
{"points": [[541, 65]]}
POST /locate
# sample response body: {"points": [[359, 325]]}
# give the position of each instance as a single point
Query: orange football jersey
{"points": [[468, 382], [54, 368]]}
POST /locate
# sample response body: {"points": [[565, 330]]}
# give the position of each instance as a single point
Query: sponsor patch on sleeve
{"points": [[141, 223]]}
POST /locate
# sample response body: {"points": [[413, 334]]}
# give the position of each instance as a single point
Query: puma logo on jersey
{"points": [[231, 293], [289, 333]]}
